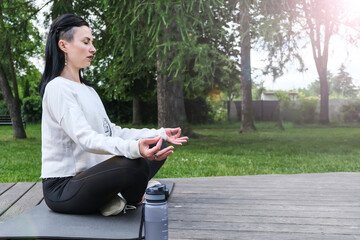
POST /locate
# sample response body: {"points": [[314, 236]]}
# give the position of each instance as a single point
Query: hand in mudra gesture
{"points": [[173, 136], [154, 153]]}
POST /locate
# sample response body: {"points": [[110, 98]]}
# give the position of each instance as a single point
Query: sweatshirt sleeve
{"points": [[136, 134]]}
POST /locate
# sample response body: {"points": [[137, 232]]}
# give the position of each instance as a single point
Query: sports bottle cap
{"points": [[158, 192]]}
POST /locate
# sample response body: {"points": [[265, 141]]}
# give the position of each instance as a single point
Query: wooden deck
{"points": [[301, 206]]}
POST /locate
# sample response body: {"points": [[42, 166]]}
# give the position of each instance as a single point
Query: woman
{"points": [[87, 160]]}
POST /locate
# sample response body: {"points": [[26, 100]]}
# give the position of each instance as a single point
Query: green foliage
{"points": [[351, 112], [257, 90], [31, 109], [308, 109], [3, 108], [118, 74], [197, 111], [19, 37], [20, 40], [273, 29], [313, 89], [283, 96], [176, 31], [218, 111], [28, 82], [342, 84], [301, 111], [121, 111]]}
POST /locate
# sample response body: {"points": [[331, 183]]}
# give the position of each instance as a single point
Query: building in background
{"points": [[271, 96]]}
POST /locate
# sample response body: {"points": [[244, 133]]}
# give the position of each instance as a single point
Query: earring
{"points": [[65, 59]]}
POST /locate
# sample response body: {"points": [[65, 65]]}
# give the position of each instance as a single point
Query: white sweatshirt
{"points": [[77, 133]]}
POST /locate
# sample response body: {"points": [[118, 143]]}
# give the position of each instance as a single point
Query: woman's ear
{"points": [[62, 45]]}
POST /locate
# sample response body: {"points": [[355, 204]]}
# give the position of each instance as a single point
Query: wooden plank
{"points": [[8, 198], [300, 200], [5, 186], [243, 235], [258, 208], [245, 212], [263, 202], [266, 227], [30, 199], [265, 219], [289, 188]]}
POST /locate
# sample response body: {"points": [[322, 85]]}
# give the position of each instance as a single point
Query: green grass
{"points": [[220, 152], [20, 159]]}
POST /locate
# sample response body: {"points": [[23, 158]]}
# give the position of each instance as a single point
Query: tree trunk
{"points": [[170, 99], [136, 112], [247, 116], [320, 29], [12, 101], [170, 92], [324, 98], [229, 108], [13, 105], [278, 117]]}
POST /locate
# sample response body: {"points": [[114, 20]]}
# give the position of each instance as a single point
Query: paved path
{"points": [[300, 206]]}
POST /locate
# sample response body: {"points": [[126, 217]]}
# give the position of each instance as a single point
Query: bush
{"points": [[197, 111], [301, 111], [351, 112], [3, 108], [308, 109], [31, 109], [290, 112], [218, 112], [119, 112]]}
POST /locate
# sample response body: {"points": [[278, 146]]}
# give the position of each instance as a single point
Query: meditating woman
{"points": [[89, 164]]}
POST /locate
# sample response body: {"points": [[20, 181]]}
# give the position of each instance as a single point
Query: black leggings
{"points": [[88, 191]]}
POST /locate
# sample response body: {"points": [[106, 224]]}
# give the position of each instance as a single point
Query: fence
{"points": [[265, 110]]}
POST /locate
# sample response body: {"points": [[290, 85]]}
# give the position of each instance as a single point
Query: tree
{"points": [[342, 83], [260, 22], [172, 30], [60, 7], [20, 41], [321, 19], [247, 116]]}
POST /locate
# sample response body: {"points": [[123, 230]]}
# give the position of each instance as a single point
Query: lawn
{"points": [[221, 151]]}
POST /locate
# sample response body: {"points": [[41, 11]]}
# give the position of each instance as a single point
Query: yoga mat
{"points": [[42, 223]]}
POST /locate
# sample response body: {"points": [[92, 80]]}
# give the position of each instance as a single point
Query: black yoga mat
{"points": [[42, 223]]}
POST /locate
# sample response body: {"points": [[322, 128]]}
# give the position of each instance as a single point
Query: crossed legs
{"points": [[91, 189]]}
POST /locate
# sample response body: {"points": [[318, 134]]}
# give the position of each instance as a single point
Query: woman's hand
{"points": [[154, 153], [173, 136]]}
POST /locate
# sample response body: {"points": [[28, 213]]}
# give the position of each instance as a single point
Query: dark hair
{"points": [[61, 28]]}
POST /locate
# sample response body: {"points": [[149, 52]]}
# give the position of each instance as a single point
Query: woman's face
{"points": [[80, 51]]}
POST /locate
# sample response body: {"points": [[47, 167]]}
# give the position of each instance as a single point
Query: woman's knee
{"points": [[164, 144]]}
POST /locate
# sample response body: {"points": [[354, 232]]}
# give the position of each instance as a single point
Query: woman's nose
{"points": [[92, 49]]}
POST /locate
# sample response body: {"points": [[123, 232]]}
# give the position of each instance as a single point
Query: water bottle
{"points": [[156, 213]]}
